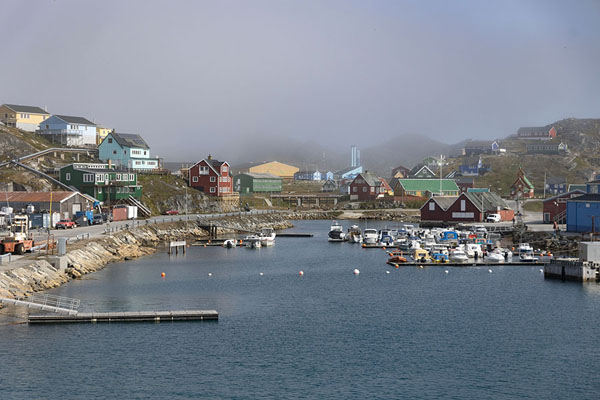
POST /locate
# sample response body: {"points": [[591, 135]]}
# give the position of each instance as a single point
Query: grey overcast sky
{"points": [[195, 76]]}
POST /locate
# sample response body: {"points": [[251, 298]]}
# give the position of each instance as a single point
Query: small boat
{"points": [[526, 253], [229, 243], [458, 256], [495, 256], [254, 241], [421, 255], [370, 236], [396, 257], [267, 237], [387, 236], [473, 250], [354, 234], [440, 258], [336, 233]]}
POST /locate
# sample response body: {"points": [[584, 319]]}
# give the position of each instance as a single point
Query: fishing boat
{"points": [[354, 234], [526, 253], [267, 237], [370, 236], [336, 233]]}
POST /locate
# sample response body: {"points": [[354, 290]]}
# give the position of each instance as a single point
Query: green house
{"points": [[102, 181], [252, 182]]}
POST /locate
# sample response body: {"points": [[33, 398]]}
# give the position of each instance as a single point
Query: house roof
{"points": [[75, 120], [587, 197], [418, 169], [527, 130], [465, 180], [568, 194], [556, 180], [489, 200], [473, 160], [479, 143], [259, 175], [26, 109], [444, 201], [130, 140], [431, 185], [371, 178], [306, 172], [38, 197], [346, 170], [577, 186]]}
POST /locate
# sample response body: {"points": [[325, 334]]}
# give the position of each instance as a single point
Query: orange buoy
{"points": [[383, 247], [364, 245], [162, 274]]}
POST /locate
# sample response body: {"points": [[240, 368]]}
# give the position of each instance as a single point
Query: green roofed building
{"points": [[254, 182], [425, 187]]}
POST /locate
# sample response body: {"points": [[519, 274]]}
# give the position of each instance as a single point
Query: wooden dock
{"points": [[135, 316], [292, 234]]}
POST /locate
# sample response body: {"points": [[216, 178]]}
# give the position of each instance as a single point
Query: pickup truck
{"points": [[65, 224]]}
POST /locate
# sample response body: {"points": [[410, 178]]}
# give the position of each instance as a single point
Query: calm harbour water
{"points": [[413, 333]]}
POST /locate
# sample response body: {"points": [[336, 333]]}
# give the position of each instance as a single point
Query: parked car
{"points": [[65, 224], [493, 218], [171, 212], [97, 219]]}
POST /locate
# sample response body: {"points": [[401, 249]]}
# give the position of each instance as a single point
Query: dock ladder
{"points": [[46, 302]]}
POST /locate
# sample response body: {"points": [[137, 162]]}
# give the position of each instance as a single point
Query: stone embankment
{"points": [[92, 255], [561, 244], [381, 215]]}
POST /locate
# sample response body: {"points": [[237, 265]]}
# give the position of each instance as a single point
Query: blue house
{"points": [[307, 176], [127, 151], [583, 212], [473, 166], [69, 131]]}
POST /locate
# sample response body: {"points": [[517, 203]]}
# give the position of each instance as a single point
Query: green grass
{"points": [[534, 206]]}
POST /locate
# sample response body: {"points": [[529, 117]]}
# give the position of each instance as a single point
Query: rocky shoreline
{"points": [[90, 256]]}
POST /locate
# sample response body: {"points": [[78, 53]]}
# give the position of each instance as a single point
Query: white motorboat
{"points": [[254, 241], [473, 249], [495, 256], [229, 243], [267, 237], [370, 236], [458, 255], [526, 253], [336, 233], [354, 234]]}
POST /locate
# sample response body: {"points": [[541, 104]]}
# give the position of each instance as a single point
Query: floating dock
{"points": [[135, 316], [291, 234], [465, 264]]}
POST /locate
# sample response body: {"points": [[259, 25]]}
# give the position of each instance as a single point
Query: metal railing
{"points": [[51, 300]]}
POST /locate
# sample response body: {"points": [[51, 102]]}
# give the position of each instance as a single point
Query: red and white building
{"points": [[368, 187], [537, 133], [212, 177]]}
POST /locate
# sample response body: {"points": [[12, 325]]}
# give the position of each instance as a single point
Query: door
{"points": [[75, 208]]}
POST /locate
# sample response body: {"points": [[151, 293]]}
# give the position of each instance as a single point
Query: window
{"points": [[431, 206], [109, 140], [118, 177], [224, 169], [372, 189], [114, 152], [463, 205], [87, 178], [203, 170], [212, 190], [99, 190], [144, 152], [213, 179], [355, 189], [194, 179], [68, 176], [364, 189], [125, 152], [131, 177]]}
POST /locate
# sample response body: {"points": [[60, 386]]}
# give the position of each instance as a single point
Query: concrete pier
{"points": [[136, 316]]}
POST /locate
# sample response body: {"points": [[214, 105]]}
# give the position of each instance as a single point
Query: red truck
{"points": [[65, 224]]}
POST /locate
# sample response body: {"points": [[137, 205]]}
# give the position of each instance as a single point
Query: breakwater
{"points": [[89, 256]]}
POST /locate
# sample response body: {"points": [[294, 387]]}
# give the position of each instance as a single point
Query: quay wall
{"points": [[89, 256]]}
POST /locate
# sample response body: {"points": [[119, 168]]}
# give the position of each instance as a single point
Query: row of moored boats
{"points": [[414, 244]]}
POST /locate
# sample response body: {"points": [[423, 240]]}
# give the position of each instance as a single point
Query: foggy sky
{"points": [[195, 77]]}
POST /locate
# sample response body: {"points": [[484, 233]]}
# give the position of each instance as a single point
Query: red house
{"points": [[468, 207], [555, 208], [368, 187], [211, 177]]}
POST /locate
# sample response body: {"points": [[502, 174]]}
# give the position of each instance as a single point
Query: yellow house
{"points": [[27, 118], [101, 133], [275, 168]]}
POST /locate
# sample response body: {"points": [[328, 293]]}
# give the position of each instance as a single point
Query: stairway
{"points": [[142, 209]]}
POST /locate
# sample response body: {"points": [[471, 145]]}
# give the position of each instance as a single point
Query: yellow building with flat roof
{"points": [[282, 170], [101, 133]]}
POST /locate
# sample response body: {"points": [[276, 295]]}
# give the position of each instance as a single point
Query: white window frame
{"points": [[431, 206], [194, 179], [213, 178], [463, 205], [212, 190]]}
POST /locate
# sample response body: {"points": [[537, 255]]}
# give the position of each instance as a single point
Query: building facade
{"points": [[250, 182], [127, 151], [368, 187], [468, 207], [425, 187], [308, 176], [537, 133], [69, 131], [212, 177], [522, 188], [104, 182], [555, 208], [66, 203], [27, 118], [546, 148]]}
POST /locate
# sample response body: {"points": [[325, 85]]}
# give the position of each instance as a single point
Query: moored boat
{"points": [[370, 236], [336, 233], [354, 234], [267, 237], [526, 253]]}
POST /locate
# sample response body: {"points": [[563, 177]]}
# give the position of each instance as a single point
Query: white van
{"points": [[493, 218]]}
